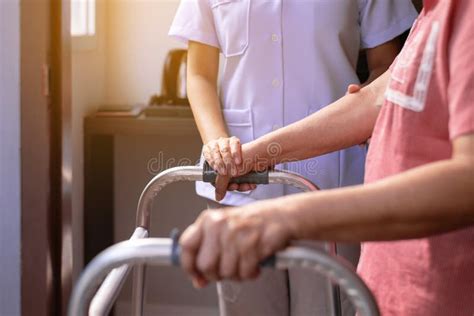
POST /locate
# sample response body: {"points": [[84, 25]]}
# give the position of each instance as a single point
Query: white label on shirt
{"points": [[415, 102]]}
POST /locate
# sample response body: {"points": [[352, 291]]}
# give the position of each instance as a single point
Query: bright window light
{"points": [[83, 17]]}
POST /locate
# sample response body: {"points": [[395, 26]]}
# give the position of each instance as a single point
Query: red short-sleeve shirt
{"points": [[429, 102]]}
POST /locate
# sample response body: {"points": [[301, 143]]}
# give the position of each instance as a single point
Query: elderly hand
{"points": [[225, 156], [230, 243]]}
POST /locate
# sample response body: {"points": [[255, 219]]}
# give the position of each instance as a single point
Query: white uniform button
{"points": [[275, 38], [276, 83], [275, 127]]}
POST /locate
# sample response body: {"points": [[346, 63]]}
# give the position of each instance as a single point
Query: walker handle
{"points": [[209, 175], [270, 262]]}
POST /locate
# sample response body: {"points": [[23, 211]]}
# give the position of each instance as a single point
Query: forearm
{"points": [[346, 122], [432, 199], [202, 94], [380, 58], [202, 70]]}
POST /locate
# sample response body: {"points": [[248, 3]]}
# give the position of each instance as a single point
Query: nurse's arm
{"points": [[347, 122], [220, 150], [202, 72], [380, 58]]}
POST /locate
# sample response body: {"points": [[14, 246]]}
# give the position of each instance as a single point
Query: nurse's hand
{"points": [[230, 243], [225, 156]]}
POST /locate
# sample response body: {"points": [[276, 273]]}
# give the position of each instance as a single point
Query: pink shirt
{"points": [[429, 102]]}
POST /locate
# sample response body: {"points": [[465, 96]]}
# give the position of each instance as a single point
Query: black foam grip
{"points": [[175, 248], [209, 175], [270, 262]]}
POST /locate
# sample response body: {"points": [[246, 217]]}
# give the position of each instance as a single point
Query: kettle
{"points": [[173, 87]]}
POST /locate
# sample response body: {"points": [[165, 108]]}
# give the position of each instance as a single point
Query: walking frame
{"points": [[140, 251]]}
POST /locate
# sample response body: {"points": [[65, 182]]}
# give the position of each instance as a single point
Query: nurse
{"points": [[281, 61]]}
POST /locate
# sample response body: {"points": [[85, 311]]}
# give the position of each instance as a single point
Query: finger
{"points": [[229, 262], [224, 148], [233, 187], [353, 88], [190, 242], [222, 183], [199, 282], [236, 150], [217, 159], [248, 268], [244, 187], [248, 259], [208, 258], [206, 152]]}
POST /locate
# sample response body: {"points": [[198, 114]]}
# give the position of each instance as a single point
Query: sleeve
{"points": [[461, 70], [383, 20], [194, 22]]}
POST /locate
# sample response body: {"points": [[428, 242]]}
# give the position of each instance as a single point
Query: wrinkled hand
{"points": [[230, 243], [225, 156]]}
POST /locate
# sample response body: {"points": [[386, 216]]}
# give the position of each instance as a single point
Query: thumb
{"points": [[353, 88], [190, 243], [222, 182]]}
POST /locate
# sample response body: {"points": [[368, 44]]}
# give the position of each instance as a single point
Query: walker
{"points": [[115, 262]]}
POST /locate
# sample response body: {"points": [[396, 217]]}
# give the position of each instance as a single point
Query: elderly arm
{"points": [[347, 122], [431, 199]]}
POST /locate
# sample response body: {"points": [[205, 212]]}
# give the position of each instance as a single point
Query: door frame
{"points": [[45, 110]]}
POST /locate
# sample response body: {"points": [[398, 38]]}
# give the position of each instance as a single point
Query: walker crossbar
{"points": [[158, 251], [107, 293]]}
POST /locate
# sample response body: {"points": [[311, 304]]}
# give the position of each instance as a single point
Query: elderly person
{"points": [[415, 211]]}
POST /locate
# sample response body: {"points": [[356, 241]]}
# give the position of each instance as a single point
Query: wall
{"points": [[137, 46], [10, 205], [123, 67], [88, 86]]}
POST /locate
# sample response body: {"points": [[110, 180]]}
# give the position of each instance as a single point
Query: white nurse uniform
{"points": [[283, 60]]}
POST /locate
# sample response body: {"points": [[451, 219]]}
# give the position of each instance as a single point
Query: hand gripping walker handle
{"points": [[209, 175], [176, 252]]}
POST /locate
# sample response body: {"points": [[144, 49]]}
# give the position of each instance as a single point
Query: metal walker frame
{"points": [[140, 251]]}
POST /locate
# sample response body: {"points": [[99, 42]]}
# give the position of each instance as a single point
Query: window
{"points": [[83, 13]]}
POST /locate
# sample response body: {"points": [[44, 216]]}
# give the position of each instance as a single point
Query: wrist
{"points": [[208, 137], [295, 213], [249, 156], [275, 214], [255, 156]]}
